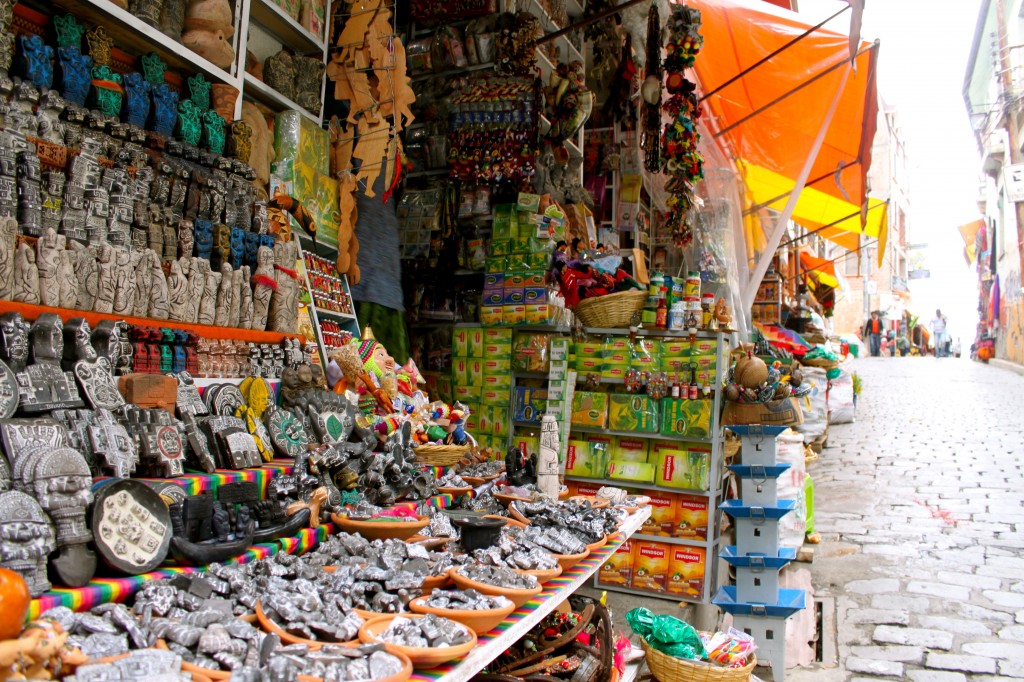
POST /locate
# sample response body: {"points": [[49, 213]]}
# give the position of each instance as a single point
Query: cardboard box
{"points": [[528, 444], [494, 396], [691, 517], [499, 423], [495, 264], [638, 472], [466, 394], [618, 570], [499, 351], [687, 567], [514, 296], [683, 468], [492, 314], [299, 140], [590, 349], [513, 314], [632, 412], [534, 278], [535, 295], [493, 297], [476, 342], [475, 372], [503, 336], [583, 460], [778, 413], [630, 449], [500, 247], [605, 443], [528, 404], [650, 566], [590, 409], [614, 372], [497, 381], [704, 347], [589, 365], [538, 313], [687, 418], [460, 342], [318, 193], [494, 280], [662, 520], [675, 348], [538, 260], [492, 365]]}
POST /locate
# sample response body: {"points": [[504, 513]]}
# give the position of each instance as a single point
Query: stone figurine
{"points": [[158, 300], [208, 306], [26, 539], [8, 242], [63, 486], [87, 273], [48, 250], [225, 296], [26, 276], [36, 61], [106, 280], [197, 285], [148, 11], [51, 106], [190, 128], [74, 74], [14, 347], [124, 282], [234, 312], [245, 306], [263, 286], [186, 238], [177, 293], [143, 281], [137, 99], [172, 18], [43, 386], [67, 280], [164, 113], [188, 267], [284, 304], [107, 92], [279, 73]]}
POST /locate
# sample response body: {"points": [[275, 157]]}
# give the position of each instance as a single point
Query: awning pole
{"points": [[768, 56], [816, 77], [832, 224], [780, 224]]}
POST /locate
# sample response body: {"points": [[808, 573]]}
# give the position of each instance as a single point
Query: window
{"points": [[852, 261]]}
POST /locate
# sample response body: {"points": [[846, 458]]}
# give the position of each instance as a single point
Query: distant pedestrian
{"points": [[892, 343], [938, 326], [873, 332]]}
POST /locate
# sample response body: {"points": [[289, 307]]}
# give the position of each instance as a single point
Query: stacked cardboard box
{"points": [[481, 374]]}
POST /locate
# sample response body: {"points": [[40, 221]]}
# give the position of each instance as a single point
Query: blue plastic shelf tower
{"points": [[758, 606]]}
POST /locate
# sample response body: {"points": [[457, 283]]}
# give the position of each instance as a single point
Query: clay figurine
{"points": [[225, 296], [67, 280], [158, 300], [26, 276], [283, 315], [106, 280], [208, 31], [36, 61], [172, 18], [245, 307], [137, 99], [177, 293], [164, 113], [208, 306], [190, 127], [124, 278], [48, 250], [14, 346], [26, 539]]}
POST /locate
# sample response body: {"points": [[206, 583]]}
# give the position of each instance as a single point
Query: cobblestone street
{"points": [[920, 504]]}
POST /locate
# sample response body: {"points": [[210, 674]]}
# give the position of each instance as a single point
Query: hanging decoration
{"points": [[650, 140], [681, 161]]}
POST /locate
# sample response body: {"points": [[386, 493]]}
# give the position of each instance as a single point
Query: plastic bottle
{"points": [[661, 315]]}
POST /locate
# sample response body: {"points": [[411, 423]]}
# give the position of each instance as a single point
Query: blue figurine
{"points": [[204, 238], [36, 61], [252, 245], [75, 68], [164, 113], [237, 247], [136, 102]]}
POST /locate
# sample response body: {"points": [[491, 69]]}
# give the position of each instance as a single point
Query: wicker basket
{"points": [[823, 363], [667, 668], [440, 455], [614, 311]]}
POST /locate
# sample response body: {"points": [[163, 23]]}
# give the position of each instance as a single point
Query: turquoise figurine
{"points": [[36, 61], [199, 91], [190, 129], [213, 132], [136, 104], [106, 90]]}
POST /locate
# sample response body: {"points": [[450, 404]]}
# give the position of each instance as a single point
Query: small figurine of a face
{"points": [[14, 340], [375, 359], [47, 335]]}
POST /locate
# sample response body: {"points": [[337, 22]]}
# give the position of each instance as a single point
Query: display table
{"points": [[521, 621]]}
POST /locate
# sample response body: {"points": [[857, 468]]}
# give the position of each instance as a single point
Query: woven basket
{"points": [[823, 363], [614, 311], [667, 668], [440, 455]]}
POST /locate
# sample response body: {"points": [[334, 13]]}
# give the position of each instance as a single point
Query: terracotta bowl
{"points": [[269, 625], [401, 676], [543, 574], [477, 481], [508, 521], [380, 530], [518, 597], [595, 502], [505, 500], [594, 546], [435, 582], [197, 672], [567, 561], [480, 622], [518, 515], [457, 492], [421, 657]]}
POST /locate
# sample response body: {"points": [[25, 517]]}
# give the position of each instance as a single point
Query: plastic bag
{"points": [[731, 649], [667, 634]]}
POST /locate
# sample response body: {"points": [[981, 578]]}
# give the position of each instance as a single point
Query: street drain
{"points": [[826, 633]]}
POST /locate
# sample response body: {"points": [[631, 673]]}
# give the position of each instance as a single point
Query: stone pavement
{"points": [[920, 504]]}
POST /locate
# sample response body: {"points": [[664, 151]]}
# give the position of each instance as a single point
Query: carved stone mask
{"points": [[26, 539], [14, 340], [47, 334]]}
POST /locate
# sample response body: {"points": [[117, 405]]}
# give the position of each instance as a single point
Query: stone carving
{"points": [[107, 341], [137, 99], [142, 267], [42, 385], [284, 304], [172, 18], [190, 128], [97, 381], [36, 61], [52, 196], [124, 278], [77, 343], [287, 433], [63, 486], [99, 45], [225, 296], [21, 116], [67, 280], [177, 293], [308, 79], [208, 306], [106, 279], [107, 93], [158, 299], [204, 238], [132, 526], [48, 250], [245, 304], [161, 450], [234, 311], [197, 286], [164, 114], [239, 141], [186, 238], [279, 73], [75, 71], [51, 105], [8, 400], [14, 347], [30, 203], [8, 242], [188, 269], [189, 403], [87, 274], [26, 539], [26, 276], [213, 132]]}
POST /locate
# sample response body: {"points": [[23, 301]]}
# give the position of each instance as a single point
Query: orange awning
{"points": [[820, 269], [969, 231], [770, 116]]}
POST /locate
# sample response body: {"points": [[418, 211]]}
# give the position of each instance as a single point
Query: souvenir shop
{"points": [[348, 340]]}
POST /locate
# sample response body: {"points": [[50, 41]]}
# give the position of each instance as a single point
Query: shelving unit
{"points": [[713, 495], [347, 321]]}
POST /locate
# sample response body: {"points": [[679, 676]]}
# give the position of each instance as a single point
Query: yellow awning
{"points": [[819, 269], [969, 231]]}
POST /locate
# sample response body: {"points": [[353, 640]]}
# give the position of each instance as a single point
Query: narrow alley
{"points": [[921, 510]]}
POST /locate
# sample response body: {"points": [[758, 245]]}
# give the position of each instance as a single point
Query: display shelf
{"points": [[675, 333], [450, 73], [646, 593], [494, 643], [582, 379], [330, 313], [639, 434], [132, 34], [636, 484], [530, 375], [291, 33], [264, 94], [675, 541], [204, 382], [31, 312]]}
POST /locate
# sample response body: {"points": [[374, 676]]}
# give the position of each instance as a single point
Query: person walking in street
{"points": [[873, 332], [938, 326]]}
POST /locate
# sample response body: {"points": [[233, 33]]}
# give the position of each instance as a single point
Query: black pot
{"points": [[479, 533]]}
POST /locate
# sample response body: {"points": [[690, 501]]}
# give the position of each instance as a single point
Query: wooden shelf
{"points": [[637, 484], [280, 24], [259, 91], [134, 35], [31, 312]]}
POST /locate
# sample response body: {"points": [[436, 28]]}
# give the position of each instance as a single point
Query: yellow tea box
{"points": [[590, 409], [662, 520], [691, 517], [513, 314], [704, 347], [497, 380], [460, 342], [465, 393], [494, 396], [683, 468], [492, 314], [500, 336], [687, 567], [675, 348], [639, 472], [476, 342], [528, 444], [584, 461], [538, 313], [614, 372], [630, 449], [618, 570], [586, 365], [650, 566], [497, 350], [632, 412], [688, 418], [590, 349]]}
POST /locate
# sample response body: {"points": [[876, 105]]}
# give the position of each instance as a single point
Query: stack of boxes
{"points": [[303, 170], [481, 374], [759, 607], [514, 290]]}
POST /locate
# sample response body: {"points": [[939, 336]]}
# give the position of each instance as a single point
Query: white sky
{"points": [[925, 45]]}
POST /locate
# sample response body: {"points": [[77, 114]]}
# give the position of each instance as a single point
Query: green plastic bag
{"points": [[667, 634]]}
